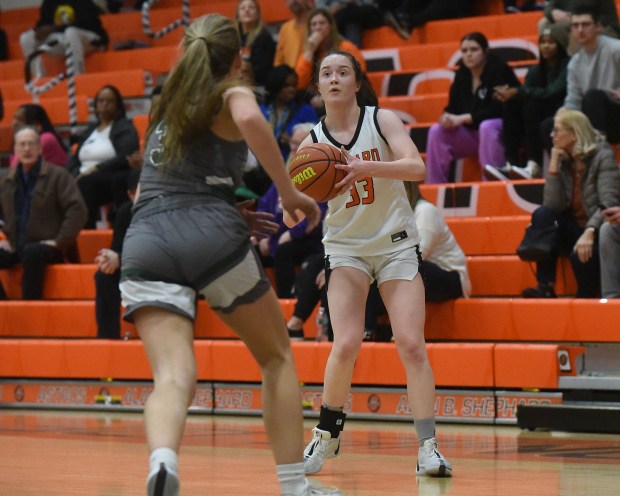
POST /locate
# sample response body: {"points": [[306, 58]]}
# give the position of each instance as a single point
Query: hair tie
{"points": [[205, 40]]}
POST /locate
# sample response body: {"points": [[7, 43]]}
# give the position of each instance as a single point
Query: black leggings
{"points": [[440, 284], [588, 274], [34, 258]]}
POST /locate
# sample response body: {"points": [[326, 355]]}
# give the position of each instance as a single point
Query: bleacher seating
{"points": [[492, 340]]}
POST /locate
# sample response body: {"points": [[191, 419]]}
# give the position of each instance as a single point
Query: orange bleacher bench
{"points": [[533, 365], [166, 11], [57, 109], [90, 241], [416, 109], [479, 365], [128, 25], [479, 199], [493, 27], [506, 319], [444, 55], [426, 82], [491, 275], [475, 319], [12, 69], [488, 235], [76, 319], [452, 30], [411, 58], [496, 212], [129, 82], [507, 275], [484, 235], [157, 60], [141, 123]]}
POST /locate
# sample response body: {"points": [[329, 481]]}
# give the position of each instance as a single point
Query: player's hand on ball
{"points": [[353, 170]]}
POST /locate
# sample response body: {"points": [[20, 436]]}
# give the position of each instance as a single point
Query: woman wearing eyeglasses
{"points": [[583, 175]]}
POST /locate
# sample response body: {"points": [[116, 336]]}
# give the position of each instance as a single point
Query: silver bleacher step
{"points": [[591, 398]]}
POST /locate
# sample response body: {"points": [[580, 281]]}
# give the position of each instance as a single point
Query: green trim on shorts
{"points": [[138, 274]]}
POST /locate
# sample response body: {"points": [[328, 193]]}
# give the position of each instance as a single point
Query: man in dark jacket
{"points": [[63, 23], [43, 213]]}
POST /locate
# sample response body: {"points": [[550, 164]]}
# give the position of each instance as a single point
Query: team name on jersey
{"points": [[366, 155]]}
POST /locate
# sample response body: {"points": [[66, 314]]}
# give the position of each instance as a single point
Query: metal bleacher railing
{"points": [[146, 20], [68, 73]]}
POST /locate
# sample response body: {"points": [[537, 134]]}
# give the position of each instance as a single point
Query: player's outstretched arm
{"points": [[248, 117]]}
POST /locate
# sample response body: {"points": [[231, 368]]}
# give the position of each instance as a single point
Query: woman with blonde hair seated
{"points": [[583, 175]]}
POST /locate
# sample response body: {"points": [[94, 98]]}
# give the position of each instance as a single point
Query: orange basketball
{"points": [[313, 170]]}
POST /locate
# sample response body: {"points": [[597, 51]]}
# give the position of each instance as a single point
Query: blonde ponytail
{"points": [[192, 94]]}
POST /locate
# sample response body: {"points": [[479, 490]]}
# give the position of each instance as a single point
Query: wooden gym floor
{"points": [[104, 454]]}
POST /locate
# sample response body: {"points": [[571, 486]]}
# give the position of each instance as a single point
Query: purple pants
{"points": [[445, 145]]}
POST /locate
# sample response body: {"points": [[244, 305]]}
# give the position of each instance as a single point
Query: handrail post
{"points": [[68, 74], [146, 20]]}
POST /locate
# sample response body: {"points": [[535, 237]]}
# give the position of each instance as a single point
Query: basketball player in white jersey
{"points": [[371, 235]]}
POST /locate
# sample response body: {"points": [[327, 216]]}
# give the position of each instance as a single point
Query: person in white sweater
{"points": [[445, 265]]}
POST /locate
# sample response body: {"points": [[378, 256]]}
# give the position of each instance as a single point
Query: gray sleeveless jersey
{"points": [[212, 167], [185, 228], [375, 217]]}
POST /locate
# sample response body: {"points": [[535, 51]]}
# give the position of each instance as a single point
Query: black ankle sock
{"points": [[332, 421]]}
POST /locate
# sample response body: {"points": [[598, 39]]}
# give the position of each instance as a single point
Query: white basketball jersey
{"points": [[375, 217]]}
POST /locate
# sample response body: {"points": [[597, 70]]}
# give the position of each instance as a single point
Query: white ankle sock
{"points": [[292, 478], [166, 456]]}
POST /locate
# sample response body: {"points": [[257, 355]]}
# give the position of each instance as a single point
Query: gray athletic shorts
{"points": [[402, 264], [171, 256]]}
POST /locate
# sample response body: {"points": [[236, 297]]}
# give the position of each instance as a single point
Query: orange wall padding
{"points": [[454, 364]]}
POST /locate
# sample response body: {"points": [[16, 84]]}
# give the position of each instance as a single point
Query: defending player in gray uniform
{"points": [[188, 239], [371, 235]]}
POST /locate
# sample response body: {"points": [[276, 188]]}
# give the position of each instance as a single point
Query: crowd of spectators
{"points": [[515, 130]]}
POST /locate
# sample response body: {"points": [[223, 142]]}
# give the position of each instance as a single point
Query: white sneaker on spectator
{"points": [[497, 174], [531, 171]]}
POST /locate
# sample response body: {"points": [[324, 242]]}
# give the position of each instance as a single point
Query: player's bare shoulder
{"points": [[387, 119]]}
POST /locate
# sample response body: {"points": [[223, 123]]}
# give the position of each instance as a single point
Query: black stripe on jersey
{"points": [[374, 118], [315, 138], [351, 144]]}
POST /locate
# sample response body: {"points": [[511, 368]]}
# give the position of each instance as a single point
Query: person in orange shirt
{"points": [[323, 38], [292, 35]]}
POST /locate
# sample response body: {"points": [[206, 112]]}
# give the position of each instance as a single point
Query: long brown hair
{"points": [[192, 94], [334, 35]]}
